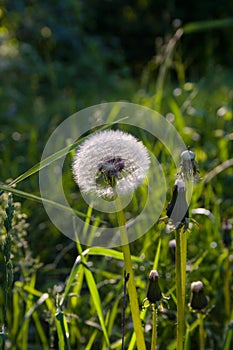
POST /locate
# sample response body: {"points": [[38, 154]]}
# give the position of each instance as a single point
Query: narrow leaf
{"points": [[206, 25]]}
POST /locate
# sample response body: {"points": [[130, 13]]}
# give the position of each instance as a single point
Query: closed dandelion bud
{"points": [[198, 300], [154, 293], [226, 233], [177, 208], [172, 249]]}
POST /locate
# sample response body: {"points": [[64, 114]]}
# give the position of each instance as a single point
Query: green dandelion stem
{"points": [[201, 332], [227, 283], [154, 327], [183, 239], [179, 290], [131, 284]]}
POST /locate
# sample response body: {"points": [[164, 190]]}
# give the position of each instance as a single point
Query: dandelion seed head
{"points": [[110, 162]]}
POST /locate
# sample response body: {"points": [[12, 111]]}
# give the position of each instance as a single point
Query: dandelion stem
{"points": [[227, 283], [131, 284], [183, 239], [201, 332], [154, 328], [180, 286]]}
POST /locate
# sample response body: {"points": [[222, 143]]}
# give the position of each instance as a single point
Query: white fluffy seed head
{"points": [[100, 153]]}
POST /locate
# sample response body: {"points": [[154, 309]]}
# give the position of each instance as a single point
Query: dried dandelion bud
{"points": [[154, 293], [198, 300]]}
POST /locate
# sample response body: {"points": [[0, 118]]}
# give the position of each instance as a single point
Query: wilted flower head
{"points": [[198, 300], [110, 162]]}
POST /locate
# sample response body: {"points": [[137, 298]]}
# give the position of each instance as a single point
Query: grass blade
{"points": [[91, 251], [156, 260], [206, 25], [62, 330], [97, 302], [55, 156], [40, 200]]}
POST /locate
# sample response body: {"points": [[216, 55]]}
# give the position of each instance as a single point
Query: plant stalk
{"points": [[131, 284], [201, 332], [154, 328], [180, 286], [183, 238], [227, 282]]}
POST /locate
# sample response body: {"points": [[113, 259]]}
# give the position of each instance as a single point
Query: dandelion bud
{"points": [[226, 233], [177, 208], [198, 300], [172, 249], [154, 293]]}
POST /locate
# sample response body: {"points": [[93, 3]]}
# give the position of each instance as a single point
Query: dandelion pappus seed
{"points": [[110, 162]]}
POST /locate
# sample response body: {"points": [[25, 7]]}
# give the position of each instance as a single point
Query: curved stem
{"points": [[129, 271]]}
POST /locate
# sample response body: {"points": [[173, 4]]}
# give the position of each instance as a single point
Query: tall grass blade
{"points": [[207, 25], [91, 251], [40, 199], [156, 260], [55, 156]]}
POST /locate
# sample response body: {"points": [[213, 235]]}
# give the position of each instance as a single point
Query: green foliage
{"points": [[58, 57]]}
